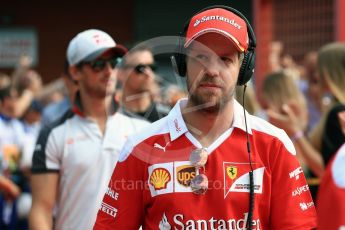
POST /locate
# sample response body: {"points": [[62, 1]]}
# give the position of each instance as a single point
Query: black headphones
{"points": [[248, 63]]}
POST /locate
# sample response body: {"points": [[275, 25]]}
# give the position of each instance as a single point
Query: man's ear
{"points": [[74, 72]]}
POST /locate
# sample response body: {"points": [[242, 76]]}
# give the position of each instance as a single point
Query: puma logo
{"points": [[158, 146]]}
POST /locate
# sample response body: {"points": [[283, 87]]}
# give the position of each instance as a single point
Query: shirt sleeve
{"points": [[292, 206], [122, 205], [48, 151]]}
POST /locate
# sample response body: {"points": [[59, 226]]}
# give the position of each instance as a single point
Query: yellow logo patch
{"points": [[231, 171], [184, 174], [159, 178]]}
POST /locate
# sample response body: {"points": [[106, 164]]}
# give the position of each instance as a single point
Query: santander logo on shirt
{"points": [[212, 223]]}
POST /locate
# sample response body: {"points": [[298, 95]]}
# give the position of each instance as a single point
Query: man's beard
{"points": [[99, 92], [210, 103]]}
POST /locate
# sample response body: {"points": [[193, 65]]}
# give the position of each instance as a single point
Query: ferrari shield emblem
{"points": [[231, 172]]}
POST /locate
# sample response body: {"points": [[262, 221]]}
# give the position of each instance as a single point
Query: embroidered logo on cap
{"points": [[218, 18]]}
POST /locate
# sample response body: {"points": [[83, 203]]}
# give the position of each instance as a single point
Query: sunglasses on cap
{"points": [[99, 64], [198, 159], [140, 68]]}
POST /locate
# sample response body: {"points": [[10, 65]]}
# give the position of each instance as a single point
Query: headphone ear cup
{"points": [[247, 68], [180, 65]]}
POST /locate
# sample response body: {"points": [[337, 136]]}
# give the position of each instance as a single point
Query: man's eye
{"points": [[226, 59], [201, 57]]}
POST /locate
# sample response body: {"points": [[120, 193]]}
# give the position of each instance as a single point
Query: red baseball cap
{"points": [[220, 21]]}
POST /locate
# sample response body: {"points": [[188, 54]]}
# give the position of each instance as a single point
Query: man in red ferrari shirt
{"points": [[209, 164]]}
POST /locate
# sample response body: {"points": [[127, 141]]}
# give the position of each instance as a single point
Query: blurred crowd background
{"points": [[34, 37]]}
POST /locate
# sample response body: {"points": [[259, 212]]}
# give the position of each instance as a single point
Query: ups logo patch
{"points": [[184, 174]]}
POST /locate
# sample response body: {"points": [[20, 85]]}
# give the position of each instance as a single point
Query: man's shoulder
{"points": [[54, 111], [152, 130], [268, 131], [156, 128], [57, 124], [135, 122], [258, 123]]}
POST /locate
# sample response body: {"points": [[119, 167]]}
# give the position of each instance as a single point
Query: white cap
{"points": [[90, 44]]}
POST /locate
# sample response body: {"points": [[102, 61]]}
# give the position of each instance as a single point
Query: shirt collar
{"points": [[78, 107], [239, 121], [178, 127]]}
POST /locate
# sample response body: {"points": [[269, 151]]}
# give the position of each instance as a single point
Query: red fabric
{"points": [[149, 187], [220, 21], [331, 198]]}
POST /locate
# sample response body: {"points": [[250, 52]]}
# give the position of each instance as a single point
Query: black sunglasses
{"points": [[141, 67], [99, 64]]}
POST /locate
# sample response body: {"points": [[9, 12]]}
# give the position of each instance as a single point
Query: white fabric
{"points": [[87, 43], [85, 160]]}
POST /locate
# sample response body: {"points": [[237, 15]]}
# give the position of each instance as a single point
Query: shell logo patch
{"points": [[184, 174], [159, 178]]}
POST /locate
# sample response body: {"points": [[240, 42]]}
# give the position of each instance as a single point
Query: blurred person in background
{"points": [[139, 86], [55, 110], [251, 103], [172, 94], [327, 136], [7, 187], [331, 68], [280, 90], [32, 125], [28, 84], [74, 156], [312, 89], [5, 80], [27, 79], [12, 139], [274, 57]]}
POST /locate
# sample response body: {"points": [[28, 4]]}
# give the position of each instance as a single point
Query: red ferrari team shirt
{"points": [[150, 184], [331, 194]]}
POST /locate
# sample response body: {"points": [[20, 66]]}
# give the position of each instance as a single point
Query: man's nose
{"points": [[108, 69], [212, 67], [148, 72]]}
